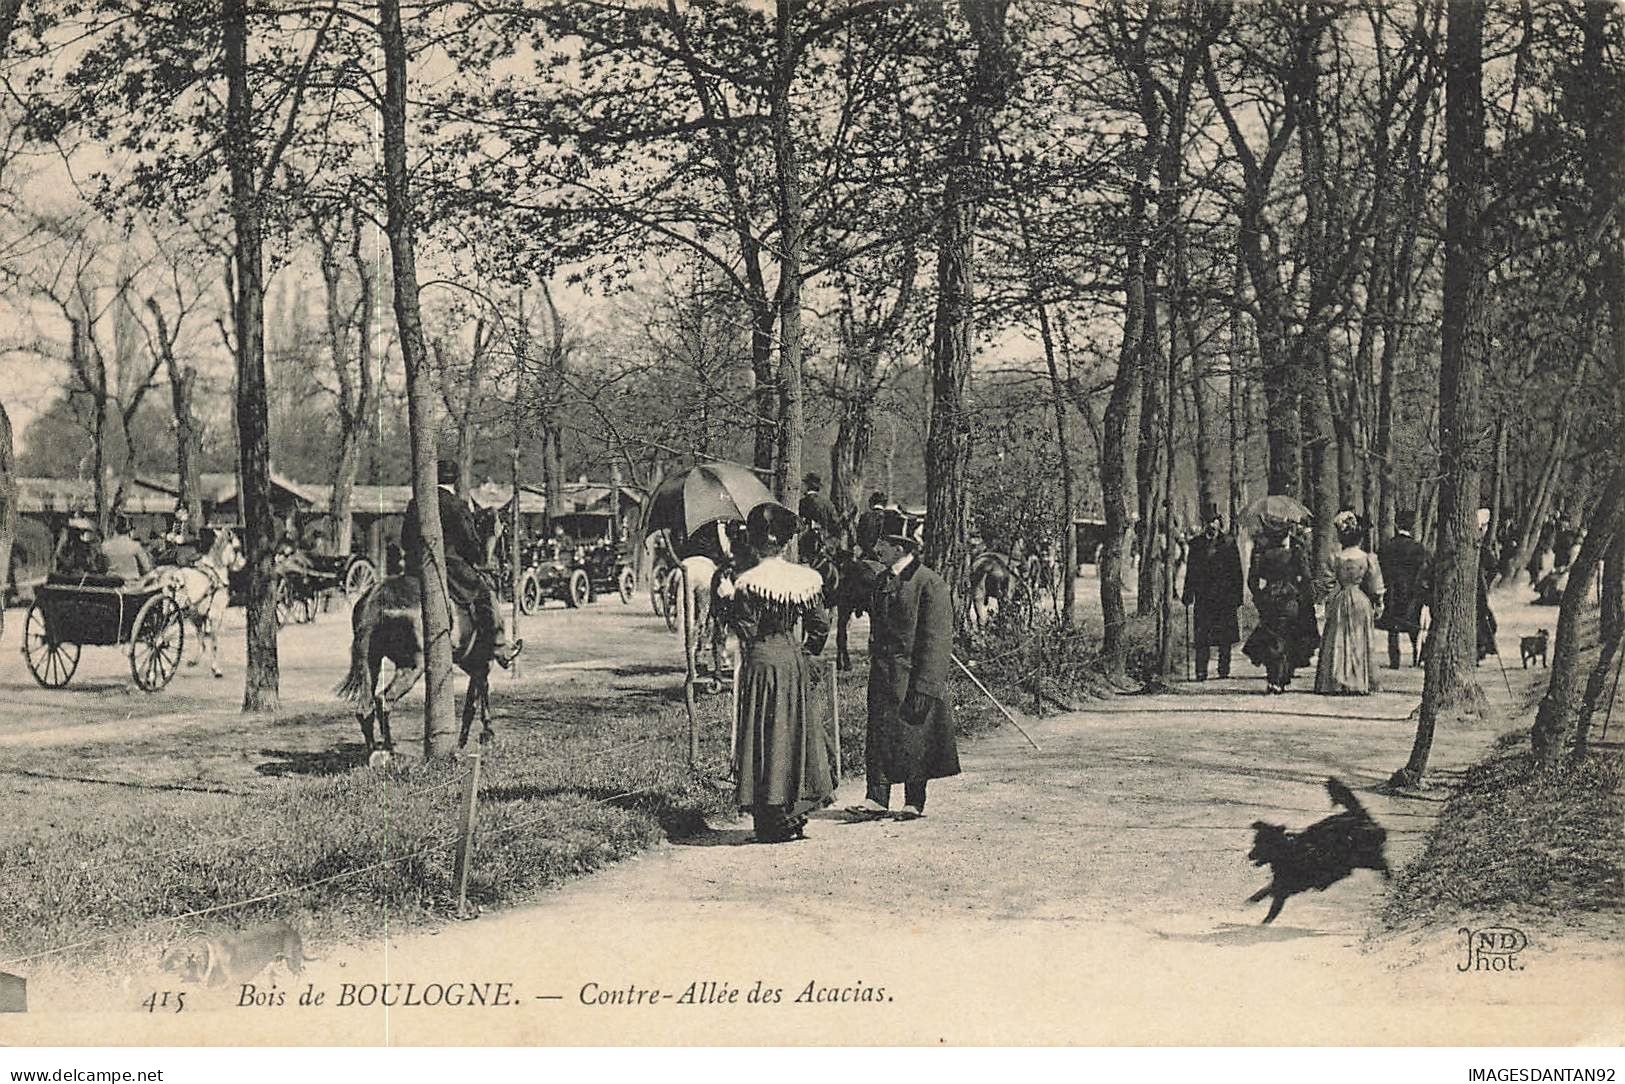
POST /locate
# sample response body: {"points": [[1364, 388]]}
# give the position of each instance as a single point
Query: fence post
{"points": [[465, 839]]}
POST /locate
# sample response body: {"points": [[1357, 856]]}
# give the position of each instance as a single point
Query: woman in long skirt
{"points": [[782, 749], [1352, 581], [1277, 576]]}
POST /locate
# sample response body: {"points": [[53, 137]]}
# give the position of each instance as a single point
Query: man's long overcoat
{"points": [[911, 638]]}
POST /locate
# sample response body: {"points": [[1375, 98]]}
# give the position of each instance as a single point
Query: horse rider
{"points": [[465, 558], [817, 508], [870, 523], [125, 556]]}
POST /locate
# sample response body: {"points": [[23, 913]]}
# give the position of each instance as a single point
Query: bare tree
{"points": [[439, 722], [948, 441], [1454, 606]]}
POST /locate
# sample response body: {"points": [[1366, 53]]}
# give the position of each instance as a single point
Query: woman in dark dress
{"points": [[1279, 579], [782, 750]]}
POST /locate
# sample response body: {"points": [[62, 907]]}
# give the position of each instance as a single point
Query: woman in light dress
{"points": [[1352, 585]]}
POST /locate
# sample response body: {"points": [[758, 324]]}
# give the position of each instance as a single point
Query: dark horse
{"points": [[387, 623], [849, 583]]}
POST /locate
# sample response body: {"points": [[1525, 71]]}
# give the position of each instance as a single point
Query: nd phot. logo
{"points": [[1492, 948]]}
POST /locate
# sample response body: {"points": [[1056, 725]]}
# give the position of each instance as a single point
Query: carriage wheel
{"points": [[284, 602], [51, 663], [156, 641], [670, 590], [657, 594], [627, 583], [580, 592], [360, 576], [530, 592]]}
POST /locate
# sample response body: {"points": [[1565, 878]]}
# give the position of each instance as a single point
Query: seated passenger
{"points": [[124, 556]]}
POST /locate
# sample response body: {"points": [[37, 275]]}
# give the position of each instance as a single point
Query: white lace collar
{"points": [[778, 580]]}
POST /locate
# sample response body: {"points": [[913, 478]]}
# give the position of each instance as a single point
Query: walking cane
{"points": [[996, 703]]}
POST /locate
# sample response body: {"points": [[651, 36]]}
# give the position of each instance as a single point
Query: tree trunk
{"points": [[1610, 633], [1498, 471], [552, 400], [1069, 536], [362, 430], [1113, 460], [439, 722], [1560, 708], [8, 500], [188, 437], [1148, 473], [765, 392], [1465, 350], [947, 453], [1237, 400], [261, 681], [787, 166]]}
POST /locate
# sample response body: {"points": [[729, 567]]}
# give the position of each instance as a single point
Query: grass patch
{"points": [[577, 781], [1515, 839]]}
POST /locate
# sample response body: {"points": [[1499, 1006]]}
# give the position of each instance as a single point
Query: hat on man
{"points": [[772, 523], [1210, 511], [894, 528], [445, 472], [812, 481], [877, 498], [1404, 520]]}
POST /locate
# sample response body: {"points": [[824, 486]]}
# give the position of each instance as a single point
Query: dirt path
{"points": [[1092, 892]]}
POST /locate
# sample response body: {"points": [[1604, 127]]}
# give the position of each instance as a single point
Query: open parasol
{"points": [[707, 493], [1277, 512]]}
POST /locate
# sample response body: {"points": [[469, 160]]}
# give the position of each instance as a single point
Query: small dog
{"points": [[1532, 648], [1320, 855], [238, 957]]}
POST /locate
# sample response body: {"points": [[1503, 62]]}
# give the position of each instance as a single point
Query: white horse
{"points": [[203, 591], [702, 617]]}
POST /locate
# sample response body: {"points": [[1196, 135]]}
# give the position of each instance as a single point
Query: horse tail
{"points": [[357, 683]]}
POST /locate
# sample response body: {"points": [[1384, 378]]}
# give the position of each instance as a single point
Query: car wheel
{"points": [[580, 589]]}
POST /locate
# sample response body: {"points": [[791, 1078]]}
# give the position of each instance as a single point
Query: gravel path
{"points": [[1092, 893]]}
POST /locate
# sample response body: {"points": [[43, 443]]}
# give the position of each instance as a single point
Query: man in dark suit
{"points": [[869, 523], [465, 557], [911, 637], [1213, 591], [1405, 563]]}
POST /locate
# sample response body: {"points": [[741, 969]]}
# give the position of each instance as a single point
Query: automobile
{"points": [[574, 573]]}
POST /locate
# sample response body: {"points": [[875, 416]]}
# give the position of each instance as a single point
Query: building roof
{"points": [[220, 488], [78, 495]]}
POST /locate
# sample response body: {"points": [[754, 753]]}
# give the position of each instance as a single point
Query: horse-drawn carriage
{"points": [[307, 583], [71, 612]]}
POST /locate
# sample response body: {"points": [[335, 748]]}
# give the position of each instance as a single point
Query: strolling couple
{"points": [[783, 755]]}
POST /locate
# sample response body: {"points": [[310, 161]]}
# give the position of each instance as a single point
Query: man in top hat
{"points": [[911, 634], [1405, 563], [465, 556], [869, 523], [1213, 591], [817, 508]]}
